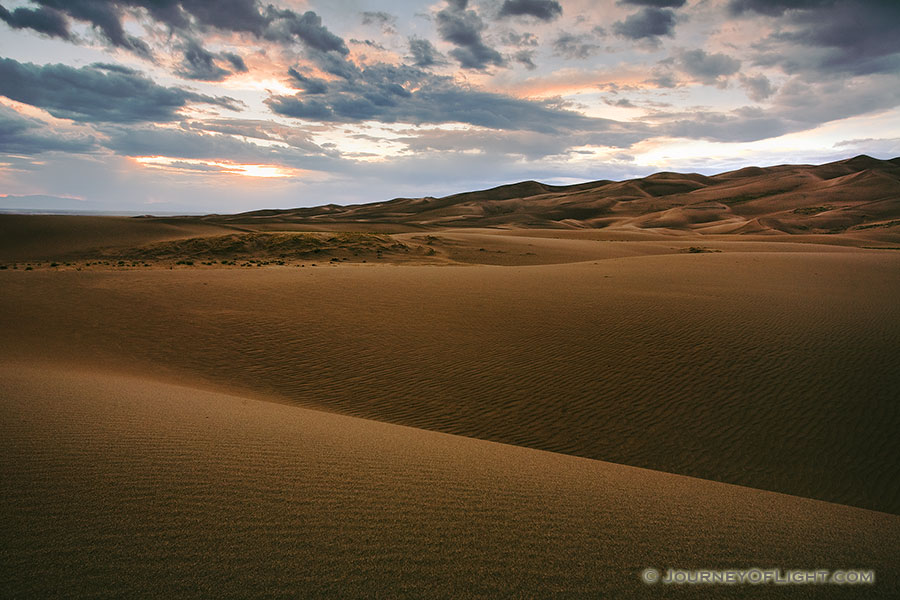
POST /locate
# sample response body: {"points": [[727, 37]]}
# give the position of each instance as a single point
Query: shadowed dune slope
{"points": [[766, 369], [54, 237], [120, 487]]}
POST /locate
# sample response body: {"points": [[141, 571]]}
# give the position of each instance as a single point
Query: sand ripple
{"points": [[117, 487], [776, 371]]}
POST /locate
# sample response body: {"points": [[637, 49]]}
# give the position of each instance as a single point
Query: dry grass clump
{"points": [[274, 247]]}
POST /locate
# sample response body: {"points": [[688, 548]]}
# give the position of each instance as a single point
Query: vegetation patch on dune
{"points": [[699, 250], [749, 197], [812, 210], [879, 225], [266, 245]]}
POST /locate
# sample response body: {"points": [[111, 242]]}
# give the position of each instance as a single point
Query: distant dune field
{"points": [[850, 202], [859, 196]]}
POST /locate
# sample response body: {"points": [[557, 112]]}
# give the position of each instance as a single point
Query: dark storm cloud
{"points": [[503, 145], [308, 110], [377, 17], [283, 23], [774, 8], [574, 46], [830, 37], [190, 144], [333, 64], [42, 19], [758, 87], [525, 57], [797, 106], [26, 136], [112, 67], [386, 21], [424, 53], [818, 102], [180, 16], [859, 37], [202, 65], [96, 94], [663, 79], [621, 103], [521, 40], [545, 10], [369, 43], [178, 143], [707, 68], [105, 16], [463, 28], [743, 125], [199, 63], [529, 144], [405, 94], [477, 57], [647, 23], [655, 3], [310, 85], [261, 130], [237, 63], [229, 15]]}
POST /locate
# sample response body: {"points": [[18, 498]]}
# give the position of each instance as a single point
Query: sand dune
{"points": [[121, 487], [56, 237], [101, 244], [771, 369]]}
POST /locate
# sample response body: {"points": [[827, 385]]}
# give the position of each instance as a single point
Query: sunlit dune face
{"points": [[214, 166]]}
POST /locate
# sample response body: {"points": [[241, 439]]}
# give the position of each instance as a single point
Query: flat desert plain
{"points": [[299, 406]]}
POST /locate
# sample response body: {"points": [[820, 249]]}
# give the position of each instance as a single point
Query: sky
{"points": [[203, 106]]}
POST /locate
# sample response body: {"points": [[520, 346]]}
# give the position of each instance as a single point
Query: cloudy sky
{"points": [[227, 105]]}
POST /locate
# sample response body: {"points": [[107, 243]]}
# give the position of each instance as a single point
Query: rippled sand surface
{"points": [[522, 413], [117, 486], [775, 370]]}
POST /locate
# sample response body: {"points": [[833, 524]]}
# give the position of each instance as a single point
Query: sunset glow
{"points": [[265, 171]]}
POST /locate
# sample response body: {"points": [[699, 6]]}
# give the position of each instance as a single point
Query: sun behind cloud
{"points": [[216, 166]]}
